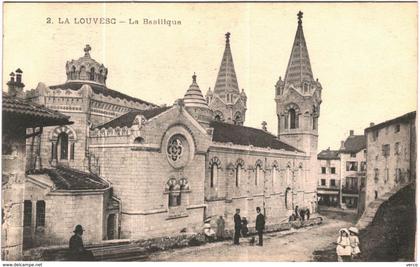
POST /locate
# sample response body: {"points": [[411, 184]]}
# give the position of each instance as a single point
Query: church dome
{"points": [[193, 97], [86, 69]]}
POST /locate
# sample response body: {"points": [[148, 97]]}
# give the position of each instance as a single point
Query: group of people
{"points": [[348, 244], [300, 214], [241, 226]]}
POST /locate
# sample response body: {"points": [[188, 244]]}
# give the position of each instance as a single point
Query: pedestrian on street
{"points": [[76, 247], [308, 214], [220, 228], [302, 214], [354, 242], [244, 229], [237, 221], [259, 226], [297, 211], [343, 246]]}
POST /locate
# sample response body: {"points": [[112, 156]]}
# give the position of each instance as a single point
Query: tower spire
{"points": [[299, 67], [226, 78]]}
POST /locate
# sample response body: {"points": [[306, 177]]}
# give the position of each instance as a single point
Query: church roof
{"points": [[226, 78], [127, 119], [100, 89], [65, 178], [31, 114], [299, 67], [242, 135], [354, 143], [193, 97]]}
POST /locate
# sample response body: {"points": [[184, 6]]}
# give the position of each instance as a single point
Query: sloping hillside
{"points": [[392, 234]]}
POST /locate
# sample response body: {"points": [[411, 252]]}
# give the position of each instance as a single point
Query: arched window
{"points": [[217, 117], [92, 74], [40, 213], [275, 176], [174, 196], [213, 174], [238, 174], [258, 172], [293, 119], [238, 118], [73, 73], [63, 145], [314, 118], [82, 74]]}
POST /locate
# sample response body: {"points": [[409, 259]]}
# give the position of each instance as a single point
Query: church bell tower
{"points": [[298, 100]]}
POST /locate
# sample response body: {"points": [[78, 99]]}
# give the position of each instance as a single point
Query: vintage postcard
{"points": [[232, 132]]}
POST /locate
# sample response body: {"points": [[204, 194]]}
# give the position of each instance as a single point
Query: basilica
{"points": [[130, 169]]}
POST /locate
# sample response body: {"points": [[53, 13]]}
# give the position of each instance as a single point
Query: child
{"points": [[354, 242], [343, 246]]}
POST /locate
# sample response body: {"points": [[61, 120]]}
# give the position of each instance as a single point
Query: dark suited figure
{"points": [[259, 226], [77, 249], [238, 226]]}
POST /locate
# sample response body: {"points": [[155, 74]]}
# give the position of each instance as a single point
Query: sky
{"points": [[364, 54]]}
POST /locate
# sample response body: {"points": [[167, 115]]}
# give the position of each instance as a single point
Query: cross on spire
{"points": [[300, 15], [87, 49], [227, 37]]}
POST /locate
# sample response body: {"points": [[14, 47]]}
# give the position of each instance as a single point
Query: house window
{"points": [[385, 150], [332, 170], [40, 213], [397, 128], [332, 182], [63, 143], [352, 155], [376, 175], [27, 213], [323, 183], [53, 151], [363, 166], [351, 166], [386, 177], [397, 148], [375, 135], [323, 170]]}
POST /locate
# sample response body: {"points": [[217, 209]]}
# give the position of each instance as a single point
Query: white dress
{"points": [[354, 242], [343, 246]]}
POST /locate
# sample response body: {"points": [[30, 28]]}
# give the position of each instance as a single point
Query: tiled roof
{"points": [[402, 119], [299, 67], [128, 118], [241, 135], [354, 144], [100, 89], [328, 154], [226, 77], [70, 179], [33, 114]]}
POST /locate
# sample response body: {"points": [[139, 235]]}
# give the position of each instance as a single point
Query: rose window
{"points": [[175, 149]]}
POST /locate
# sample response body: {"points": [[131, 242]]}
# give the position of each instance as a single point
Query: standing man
{"points": [[237, 220], [259, 226], [220, 228]]}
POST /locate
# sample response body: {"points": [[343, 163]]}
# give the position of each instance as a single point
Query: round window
{"points": [[177, 151]]}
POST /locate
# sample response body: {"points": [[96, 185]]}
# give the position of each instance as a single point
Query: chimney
{"points": [[371, 124], [342, 145], [15, 86], [351, 132]]}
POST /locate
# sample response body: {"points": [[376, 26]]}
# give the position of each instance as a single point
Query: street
{"points": [[294, 245]]}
